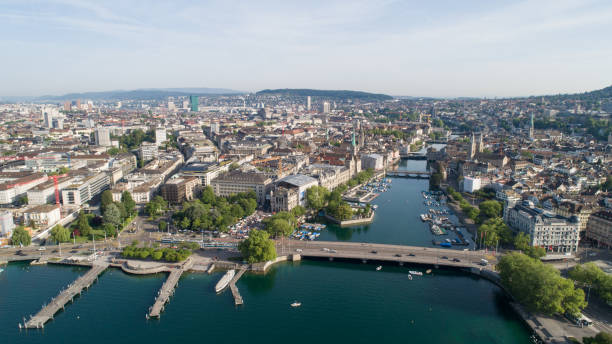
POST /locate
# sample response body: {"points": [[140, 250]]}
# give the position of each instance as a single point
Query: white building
{"points": [[160, 136], [43, 215], [301, 183], [308, 103], [471, 184], [6, 224], [326, 107], [102, 137], [553, 232], [148, 151], [84, 190]]}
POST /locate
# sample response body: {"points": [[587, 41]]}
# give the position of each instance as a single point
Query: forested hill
{"points": [[327, 94], [604, 93]]}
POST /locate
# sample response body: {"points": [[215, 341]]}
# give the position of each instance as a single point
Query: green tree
{"points": [[60, 234], [535, 252], [600, 338], [208, 195], [344, 212], [83, 224], [538, 286], [123, 214], [522, 241], [21, 237], [316, 197], [590, 274], [162, 225], [107, 199], [129, 203], [298, 211], [257, 247], [490, 208], [109, 229], [494, 230], [279, 227], [112, 215]]}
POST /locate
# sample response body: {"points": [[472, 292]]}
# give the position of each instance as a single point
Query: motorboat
{"points": [[225, 280], [378, 268], [428, 271], [410, 277], [416, 273], [296, 304]]}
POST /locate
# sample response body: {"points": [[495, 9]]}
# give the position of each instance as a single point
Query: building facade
{"points": [[599, 228]]}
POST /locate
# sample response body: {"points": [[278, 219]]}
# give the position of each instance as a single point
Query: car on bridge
{"points": [[444, 257], [374, 252], [456, 260], [398, 255]]}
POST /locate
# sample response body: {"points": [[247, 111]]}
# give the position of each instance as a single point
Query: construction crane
{"points": [[274, 158], [55, 178]]}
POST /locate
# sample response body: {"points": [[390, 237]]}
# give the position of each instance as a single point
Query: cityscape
{"points": [[259, 211]]}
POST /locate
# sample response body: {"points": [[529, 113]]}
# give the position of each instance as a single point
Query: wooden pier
{"points": [[235, 292], [167, 290], [67, 295]]}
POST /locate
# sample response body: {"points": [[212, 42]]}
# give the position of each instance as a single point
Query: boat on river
{"points": [[378, 268], [296, 304], [416, 273], [225, 280]]}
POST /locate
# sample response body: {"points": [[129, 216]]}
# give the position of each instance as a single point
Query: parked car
{"points": [[456, 260], [42, 248], [444, 257], [484, 262], [374, 252]]}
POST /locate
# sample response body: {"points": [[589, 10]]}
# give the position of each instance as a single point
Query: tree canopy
{"points": [[590, 274], [257, 247], [21, 236], [112, 215], [60, 234], [600, 338], [538, 286]]}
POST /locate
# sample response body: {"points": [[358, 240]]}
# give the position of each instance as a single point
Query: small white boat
{"points": [[410, 277], [296, 304], [378, 268], [428, 271], [416, 273]]}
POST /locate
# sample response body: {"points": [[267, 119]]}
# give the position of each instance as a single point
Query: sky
{"points": [[437, 48]]}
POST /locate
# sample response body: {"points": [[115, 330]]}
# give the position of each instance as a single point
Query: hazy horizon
{"points": [[445, 49]]}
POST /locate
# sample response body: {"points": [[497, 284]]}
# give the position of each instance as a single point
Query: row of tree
{"points": [[538, 286], [257, 247], [166, 254], [283, 223]]}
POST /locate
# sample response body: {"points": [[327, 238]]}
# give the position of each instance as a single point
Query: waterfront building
{"points": [[299, 182], [553, 232], [42, 215], [599, 228], [471, 184], [373, 161]]}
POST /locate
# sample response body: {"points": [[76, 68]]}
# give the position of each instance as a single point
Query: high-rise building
{"points": [[48, 117], [148, 151], [308, 103], [171, 106], [102, 137], [531, 128], [194, 103], [67, 105], [326, 107], [214, 128], [160, 136]]}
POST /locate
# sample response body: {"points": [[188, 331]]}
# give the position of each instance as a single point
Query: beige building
{"points": [[177, 190], [599, 228], [42, 215], [237, 182]]}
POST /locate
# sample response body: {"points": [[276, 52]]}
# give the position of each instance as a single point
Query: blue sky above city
{"points": [[413, 48]]}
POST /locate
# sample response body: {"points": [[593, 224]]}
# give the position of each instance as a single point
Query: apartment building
{"points": [[599, 228], [236, 182]]}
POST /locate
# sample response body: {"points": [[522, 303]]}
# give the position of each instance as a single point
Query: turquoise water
{"points": [[397, 218], [341, 302]]}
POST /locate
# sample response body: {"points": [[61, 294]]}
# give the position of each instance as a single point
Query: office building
{"points": [[102, 137], [308, 103], [178, 190], [326, 107], [148, 151], [160, 136], [194, 103], [236, 182]]}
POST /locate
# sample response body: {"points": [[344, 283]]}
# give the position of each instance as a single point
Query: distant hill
{"points": [[328, 94], [151, 93], [603, 94]]}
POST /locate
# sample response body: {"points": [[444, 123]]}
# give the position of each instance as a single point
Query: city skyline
{"points": [[475, 49]]}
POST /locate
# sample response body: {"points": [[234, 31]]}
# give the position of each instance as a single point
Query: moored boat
{"points": [[225, 280]]}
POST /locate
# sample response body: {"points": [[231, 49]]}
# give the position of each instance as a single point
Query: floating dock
{"points": [[67, 295]]}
